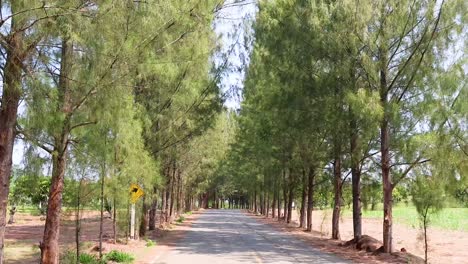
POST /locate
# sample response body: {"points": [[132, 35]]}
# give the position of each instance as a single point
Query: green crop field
{"points": [[447, 219]]}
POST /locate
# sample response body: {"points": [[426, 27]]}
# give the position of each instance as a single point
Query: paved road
{"points": [[231, 237]]}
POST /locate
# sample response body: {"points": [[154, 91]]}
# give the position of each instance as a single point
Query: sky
{"points": [[233, 25]]}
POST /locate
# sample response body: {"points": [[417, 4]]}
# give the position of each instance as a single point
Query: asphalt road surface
{"points": [[230, 236]]}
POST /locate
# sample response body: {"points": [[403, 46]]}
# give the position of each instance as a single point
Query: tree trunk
{"points": [[49, 245], [310, 199], [303, 200], [8, 115], [255, 201], [78, 222], [114, 221], [179, 192], [285, 196], [278, 194], [337, 201], [144, 219], [273, 204], [385, 155], [356, 180], [173, 182], [168, 194], [163, 204], [101, 220], [290, 200], [152, 213], [387, 189]]}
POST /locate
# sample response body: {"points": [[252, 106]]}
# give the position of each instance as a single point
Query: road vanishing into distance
{"points": [[231, 236]]}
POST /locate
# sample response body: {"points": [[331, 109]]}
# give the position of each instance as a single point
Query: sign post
{"points": [[132, 222], [135, 193]]}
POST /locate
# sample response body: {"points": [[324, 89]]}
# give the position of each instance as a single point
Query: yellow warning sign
{"points": [[135, 192]]}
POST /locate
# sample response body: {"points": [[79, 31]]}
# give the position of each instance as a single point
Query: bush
{"points": [[69, 257], [150, 243], [181, 219], [88, 259], [119, 257]]}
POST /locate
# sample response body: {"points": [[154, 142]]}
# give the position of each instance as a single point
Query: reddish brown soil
{"points": [[445, 246], [317, 240], [28, 231]]}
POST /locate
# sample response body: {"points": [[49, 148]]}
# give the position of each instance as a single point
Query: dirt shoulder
{"points": [[166, 239], [317, 240]]}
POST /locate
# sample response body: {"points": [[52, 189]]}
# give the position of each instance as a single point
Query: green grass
{"points": [[448, 219], [150, 243], [181, 219], [119, 257]]}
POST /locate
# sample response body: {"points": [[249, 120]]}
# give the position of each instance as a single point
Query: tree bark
{"points": [[78, 222], [101, 220], [114, 221], [273, 204], [168, 194], [291, 196], [144, 219], [285, 196], [8, 115], [356, 180], [49, 245], [152, 212], [310, 199], [337, 200], [163, 204], [302, 219], [385, 155], [173, 182]]}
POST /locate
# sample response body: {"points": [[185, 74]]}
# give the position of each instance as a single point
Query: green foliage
{"points": [[428, 196], [119, 257], [181, 219], [88, 259], [30, 190], [150, 243]]}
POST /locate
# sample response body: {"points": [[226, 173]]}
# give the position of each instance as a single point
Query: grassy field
{"points": [[447, 219]]}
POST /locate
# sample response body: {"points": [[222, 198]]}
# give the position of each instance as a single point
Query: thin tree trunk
{"points": [[114, 221], [173, 182], [255, 201], [303, 200], [425, 235], [49, 245], [179, 192], [163, 204], [144, 219], [290, 198], [78, 222], [101, 220], [337, 201], [278, 194], [273, 204], [8, 115], [285, 196], [356, 180], [310, 199], [168, 194], [385, 156], [152, 213]]}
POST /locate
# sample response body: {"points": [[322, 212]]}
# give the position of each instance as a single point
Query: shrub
{"points": [[88, 259], [119, 257], [150, 243], [69, 257], [181, 219]]}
